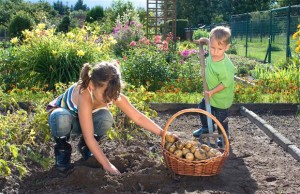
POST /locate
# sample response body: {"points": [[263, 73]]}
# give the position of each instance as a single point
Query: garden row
{"points": [[39, 64]]}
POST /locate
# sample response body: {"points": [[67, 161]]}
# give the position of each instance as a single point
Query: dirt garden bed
{"points": [[255, 164]]}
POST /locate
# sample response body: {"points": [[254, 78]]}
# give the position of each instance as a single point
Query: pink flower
{"points": [[133, 43], [165, 45], [157, 39], [144, 41], [185, 53]]}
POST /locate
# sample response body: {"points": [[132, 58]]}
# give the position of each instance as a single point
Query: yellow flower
{"points": [[83, 31], [14, 40], [297, 49], [27, 40], [41, 26], [295, 35], [80, 53], [51, 32], [79, 38], [70, 35], [37, 31], [54, 52], [88, 28], [112, 40]]}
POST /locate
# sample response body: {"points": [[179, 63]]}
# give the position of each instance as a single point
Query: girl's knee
{"points": [[103, 120], [60, 121]]}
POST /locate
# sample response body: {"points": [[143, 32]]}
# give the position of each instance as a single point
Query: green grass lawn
{"points": [[257, 48]]}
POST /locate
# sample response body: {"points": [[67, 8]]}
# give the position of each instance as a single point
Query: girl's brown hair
{"points": [[100, 73]]}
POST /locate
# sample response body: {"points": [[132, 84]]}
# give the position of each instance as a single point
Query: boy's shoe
{"points": [[62, 154], [198, 132], [220, 143]]}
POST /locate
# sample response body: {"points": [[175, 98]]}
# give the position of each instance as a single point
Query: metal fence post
{"points": [[288, 49]]}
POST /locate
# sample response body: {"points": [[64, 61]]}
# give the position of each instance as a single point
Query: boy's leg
{"points": [[203, 119], [222, 116], [102, 121], [60, 121]]}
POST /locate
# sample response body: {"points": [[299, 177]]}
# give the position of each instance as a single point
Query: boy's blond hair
{"points": [[221, 33]]}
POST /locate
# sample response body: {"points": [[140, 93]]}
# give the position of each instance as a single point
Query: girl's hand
{"points": [[112, 169]]}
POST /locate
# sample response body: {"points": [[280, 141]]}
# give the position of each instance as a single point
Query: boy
{"points": [[219, 75]]}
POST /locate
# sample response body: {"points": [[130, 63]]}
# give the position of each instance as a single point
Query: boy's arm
{"points": [[219, 88]]}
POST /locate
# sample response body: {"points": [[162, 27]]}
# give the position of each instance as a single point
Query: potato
{"points": [[170, 138], [172, 148], [185, 151], [188, 144], [211, 153], [218, 153], [195, 142], [189, 156], [205, 147], [179, 144], [193, 148], [168, 145], [178, 153], [200, 154]]}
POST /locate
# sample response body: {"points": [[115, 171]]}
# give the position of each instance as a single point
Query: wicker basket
{"points": [[208, 167]]}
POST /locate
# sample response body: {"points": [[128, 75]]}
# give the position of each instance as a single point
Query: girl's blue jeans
{"points": [[220, 114], [63, 123]]}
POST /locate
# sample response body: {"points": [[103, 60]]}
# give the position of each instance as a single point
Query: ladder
{"points": [[161, 18]]}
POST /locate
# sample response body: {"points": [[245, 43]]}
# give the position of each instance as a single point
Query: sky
{"points": [[92, 3]]}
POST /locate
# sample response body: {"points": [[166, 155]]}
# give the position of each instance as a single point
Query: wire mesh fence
{"points": [[266, 36]]}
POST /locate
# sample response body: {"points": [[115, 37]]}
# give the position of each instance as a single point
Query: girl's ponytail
{"points": [[85, 76]]}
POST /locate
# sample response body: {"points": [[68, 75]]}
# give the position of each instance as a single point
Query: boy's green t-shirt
{"points": [[220, 72]]}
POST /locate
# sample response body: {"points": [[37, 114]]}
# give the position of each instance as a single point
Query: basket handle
{"points": [[197, 110]]}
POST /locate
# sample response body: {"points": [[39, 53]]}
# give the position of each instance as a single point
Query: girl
{"points": [[84, 108]]}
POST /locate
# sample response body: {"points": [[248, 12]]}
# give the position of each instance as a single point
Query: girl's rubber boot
{"points": [[87, 155], [62, 152]]}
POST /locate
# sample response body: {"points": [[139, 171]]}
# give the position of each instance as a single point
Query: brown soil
{"points": [[255, 164]]}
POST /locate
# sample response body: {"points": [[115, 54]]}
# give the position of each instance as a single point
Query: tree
{"points": [[37, 11], [118, 7], [64, 25], [21, 21], [60, 7], [211, 11], [80, 6], [95, 14], [196, 11]]}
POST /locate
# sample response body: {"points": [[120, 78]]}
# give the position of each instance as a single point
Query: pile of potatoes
{"points": [[190, 150]]}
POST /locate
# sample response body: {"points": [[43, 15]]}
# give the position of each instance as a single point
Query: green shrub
{"points": [[200, 33], [21, 132], [152, 64], [146, 66], [128, 28], [64, 24], [45, 58], [21, 21], [96, 13]]}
